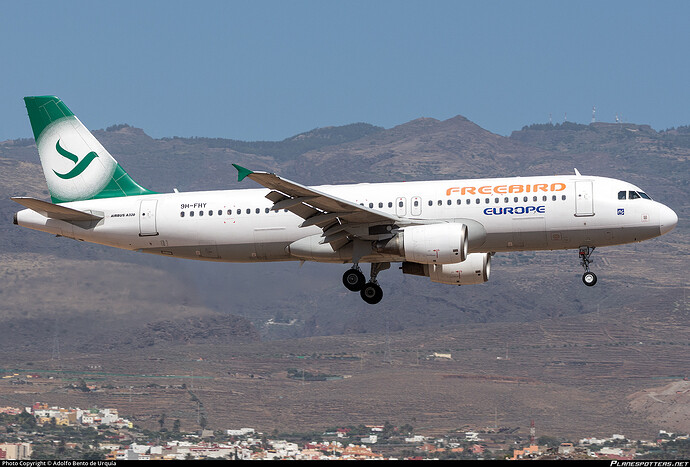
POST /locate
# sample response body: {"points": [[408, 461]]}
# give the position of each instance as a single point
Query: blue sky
{"points": [[266, 70]]}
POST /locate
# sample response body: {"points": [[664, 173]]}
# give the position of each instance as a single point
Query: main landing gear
{"points": [[354, 280], [589, 278]]}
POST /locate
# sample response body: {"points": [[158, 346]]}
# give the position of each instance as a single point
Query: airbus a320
{"points": [[446, 230]]}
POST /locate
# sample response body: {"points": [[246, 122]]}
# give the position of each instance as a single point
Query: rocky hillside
{"points": [[106, 293]]}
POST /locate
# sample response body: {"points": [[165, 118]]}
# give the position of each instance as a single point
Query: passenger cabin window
{"points": [[400, 204], [220, 212], [258, 210], [390, 204], [468, 201], [249, 211], [440, 203], [621, 195], [182, 214], [416, 203], [371, 205], [380, 205], [210, 213], [450, 201], [191, 213], [267, 210], [201, 213]]}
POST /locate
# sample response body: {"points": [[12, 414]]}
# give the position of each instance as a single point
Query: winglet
{"points": [[241, 172]]}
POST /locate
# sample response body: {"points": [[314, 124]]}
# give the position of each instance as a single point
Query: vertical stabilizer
{"points": [[76, 166]]}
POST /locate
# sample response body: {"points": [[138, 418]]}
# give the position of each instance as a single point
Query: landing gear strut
{"points": [[589, 278], [371, 292]]}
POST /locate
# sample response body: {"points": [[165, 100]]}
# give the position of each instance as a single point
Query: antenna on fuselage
{"points": [[577, 172]]}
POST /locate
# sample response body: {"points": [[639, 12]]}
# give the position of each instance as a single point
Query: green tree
{"points": [[549, 441]]}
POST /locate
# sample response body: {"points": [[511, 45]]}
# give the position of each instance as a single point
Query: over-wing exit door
{"points": [[400, 207]]}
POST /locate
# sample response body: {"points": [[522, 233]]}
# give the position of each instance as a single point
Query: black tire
{"points": [[354, 280], [589, 279], [371, 293]]}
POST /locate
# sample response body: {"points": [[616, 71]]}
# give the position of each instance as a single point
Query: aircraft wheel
{"points": [[371, 293], [354, 280], [589, 278]]}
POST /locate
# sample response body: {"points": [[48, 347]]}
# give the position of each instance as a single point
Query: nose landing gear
{"points": [[589, 278]]}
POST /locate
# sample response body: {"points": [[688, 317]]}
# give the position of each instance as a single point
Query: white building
{"points": [[240, 432], [15, 451]]}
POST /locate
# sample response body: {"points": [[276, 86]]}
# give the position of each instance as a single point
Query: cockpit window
{"points": [[644, 195], [633, 195], [621, 195]]}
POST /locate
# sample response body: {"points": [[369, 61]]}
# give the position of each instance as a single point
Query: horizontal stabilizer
{"points": [[56, 211]]}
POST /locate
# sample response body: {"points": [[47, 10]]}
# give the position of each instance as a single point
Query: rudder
{"points": [[76, 166]]}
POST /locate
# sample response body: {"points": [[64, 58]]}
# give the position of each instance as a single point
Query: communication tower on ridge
{"points": [[532, 433], [594, 111]]}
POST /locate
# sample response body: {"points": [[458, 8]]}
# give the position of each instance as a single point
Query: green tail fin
{"points": [[76, 166]]}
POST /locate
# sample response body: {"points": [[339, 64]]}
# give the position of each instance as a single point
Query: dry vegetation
{"points": [[580, 361]]}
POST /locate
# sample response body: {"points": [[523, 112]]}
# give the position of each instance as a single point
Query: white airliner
{"points": [[446, 230]]}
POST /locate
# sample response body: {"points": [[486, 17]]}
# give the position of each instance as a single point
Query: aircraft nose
{"points": [[667, 219]]}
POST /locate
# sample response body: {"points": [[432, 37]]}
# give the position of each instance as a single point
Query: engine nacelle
{"points": [[429, 244], [474, 270]]}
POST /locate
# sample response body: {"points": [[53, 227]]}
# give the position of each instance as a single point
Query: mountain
{"points": [[108, 293]]}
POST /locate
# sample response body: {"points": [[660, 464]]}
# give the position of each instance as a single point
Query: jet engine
{"points": [[429, 244], [474, 270]]}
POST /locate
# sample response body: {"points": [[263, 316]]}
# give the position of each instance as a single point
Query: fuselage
{"points": [[502, 214]]}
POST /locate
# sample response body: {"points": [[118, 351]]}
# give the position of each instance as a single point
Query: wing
{"points": [[340, 219]]}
